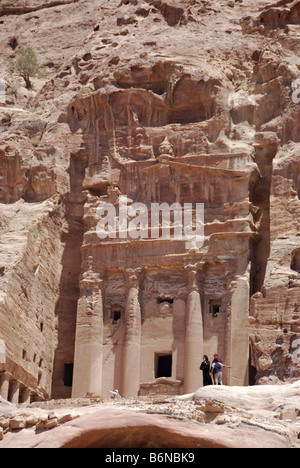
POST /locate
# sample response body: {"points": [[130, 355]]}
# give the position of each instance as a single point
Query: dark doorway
{"points": [[163, 365], [252, 370], [68, 375]]}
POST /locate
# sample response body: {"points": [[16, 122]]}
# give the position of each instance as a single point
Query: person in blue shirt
{"points": [[217, 370]]}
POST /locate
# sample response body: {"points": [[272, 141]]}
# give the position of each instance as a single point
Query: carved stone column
{"points": [[14, 391], [193, 334], [89, 337], [25, 395], [237, 344], [4, 385], [132, 340]]}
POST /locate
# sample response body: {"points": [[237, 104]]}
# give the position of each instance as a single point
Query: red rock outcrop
{"points": [[125, 429], [233, 417]]}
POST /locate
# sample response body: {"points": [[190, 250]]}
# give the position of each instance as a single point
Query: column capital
{"points": [[132, 276], [191, 268], [195, 266], [91, 279], [89, 273]]}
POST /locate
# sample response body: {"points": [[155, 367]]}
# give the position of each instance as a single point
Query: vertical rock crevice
{"points": [[69, 291]]}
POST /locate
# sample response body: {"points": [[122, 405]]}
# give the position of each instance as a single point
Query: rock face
{"points": [[212, 417], [121, 429], [148, 102]]}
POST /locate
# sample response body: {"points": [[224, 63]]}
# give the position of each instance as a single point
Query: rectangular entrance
{"points": [[163, 365]]}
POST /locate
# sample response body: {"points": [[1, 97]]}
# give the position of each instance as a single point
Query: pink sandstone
{"points": [[166, 101]]}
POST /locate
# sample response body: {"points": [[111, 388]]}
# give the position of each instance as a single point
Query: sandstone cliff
{"points": [[127, 82]]}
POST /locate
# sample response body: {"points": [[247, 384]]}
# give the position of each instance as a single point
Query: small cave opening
{"points": [[193, 101], [295, 263]]}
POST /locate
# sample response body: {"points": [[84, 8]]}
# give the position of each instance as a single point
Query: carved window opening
{"points": [[116, 314], [161, 300], [215, 307], [163, 365]]}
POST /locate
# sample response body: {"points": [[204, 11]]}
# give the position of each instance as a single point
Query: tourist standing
{"points": [[217, 370], [205, 367]]}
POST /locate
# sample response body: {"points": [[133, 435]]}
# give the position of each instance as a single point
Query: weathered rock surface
{"points": [[6, 406], [18, 7], [213, 417], [122, 429]]}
